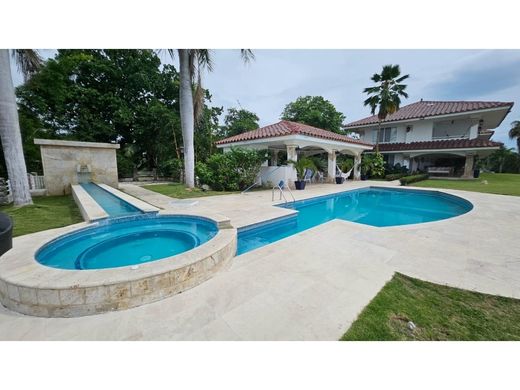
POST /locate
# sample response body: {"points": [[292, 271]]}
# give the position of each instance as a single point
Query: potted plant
{"points": [[366, 164], [301, 166]]}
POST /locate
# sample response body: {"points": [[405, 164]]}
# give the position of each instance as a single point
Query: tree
{"points": [[191, 64], [514, 132], [238, 121], [314, 111], [385, 96], [504, 160], [28, 62], [122, 96]]}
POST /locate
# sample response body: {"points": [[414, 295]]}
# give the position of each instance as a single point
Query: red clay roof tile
{"points": [[440, 144], [423, 109], [283, 128]]}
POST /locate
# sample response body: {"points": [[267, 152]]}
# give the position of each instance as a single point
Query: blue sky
{"points": [[277, 77]]}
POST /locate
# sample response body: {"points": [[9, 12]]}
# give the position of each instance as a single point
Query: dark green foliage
{"points": [[301, 165], [206, 131], [373, 165], [314, 111], [395, 176], [170, 168], [504, 160], [231, 171], [122, 96], [413, 179], [125, 166], [439, 313], [238, 121]]}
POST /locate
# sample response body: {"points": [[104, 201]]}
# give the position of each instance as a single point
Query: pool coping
{"points": [[90, 209], [29, 287]]}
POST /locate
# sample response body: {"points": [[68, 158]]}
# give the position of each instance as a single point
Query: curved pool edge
{"points": [[31, 288]]}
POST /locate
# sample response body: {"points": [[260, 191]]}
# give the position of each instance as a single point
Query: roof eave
{"points": [[509, 106]]}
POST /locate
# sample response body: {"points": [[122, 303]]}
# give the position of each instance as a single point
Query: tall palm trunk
{"points": [[10, 135], [187, 119]]}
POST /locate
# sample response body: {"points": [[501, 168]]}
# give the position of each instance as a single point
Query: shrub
{"points": [[413, 179], [373, 165], [170, 168], [395, 176], [125, 166], [230, 171], [395, 169]]}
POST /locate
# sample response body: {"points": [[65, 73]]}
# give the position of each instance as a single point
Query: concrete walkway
{"points": [[310, 286]]}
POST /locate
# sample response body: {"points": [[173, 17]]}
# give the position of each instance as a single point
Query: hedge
{"points": [[413, 179], [395, 176]]}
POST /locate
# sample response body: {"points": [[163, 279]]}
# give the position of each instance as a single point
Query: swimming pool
{"points": [[114, 206], [375, 206], [127, 241]]}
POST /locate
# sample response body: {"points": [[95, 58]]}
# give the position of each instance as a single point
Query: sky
{"points": [[277, 77]]}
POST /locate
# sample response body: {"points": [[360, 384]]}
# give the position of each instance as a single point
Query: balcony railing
{"points": [[456, 136]]}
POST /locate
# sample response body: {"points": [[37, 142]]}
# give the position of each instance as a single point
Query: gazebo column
{"points": [[292, 154], [468, 166], [331, 167], [274, 157], [357, 166]]}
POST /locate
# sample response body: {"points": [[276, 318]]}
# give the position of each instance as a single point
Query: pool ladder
{"points": [[280, 187]]}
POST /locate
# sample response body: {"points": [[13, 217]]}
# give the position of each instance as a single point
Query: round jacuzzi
{"points": [[126, 242]]}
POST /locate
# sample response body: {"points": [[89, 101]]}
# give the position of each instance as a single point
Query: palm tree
{"points": [[515, 133], [191, 64], [385, 97], [28, 62]]}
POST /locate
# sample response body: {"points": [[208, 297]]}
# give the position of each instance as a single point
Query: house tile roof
{"points": [[423, 109], [284, 128], [440, 144]]}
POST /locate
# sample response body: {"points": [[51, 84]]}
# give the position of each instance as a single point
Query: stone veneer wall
{"points": [[60, 160]]}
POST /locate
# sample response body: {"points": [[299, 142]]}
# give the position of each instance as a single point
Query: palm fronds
{"points": [[28, 61]]}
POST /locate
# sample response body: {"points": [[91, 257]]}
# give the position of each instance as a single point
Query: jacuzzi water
{"points": [[371, 206], [126, 241], [114, 206]]}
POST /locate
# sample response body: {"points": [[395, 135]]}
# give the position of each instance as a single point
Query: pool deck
{"points": [[309, 286]]}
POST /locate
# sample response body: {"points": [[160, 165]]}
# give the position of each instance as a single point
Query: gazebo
{"points": [[296, 139]]}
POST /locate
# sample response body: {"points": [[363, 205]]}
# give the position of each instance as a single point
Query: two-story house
{"points": [[442, 137]]}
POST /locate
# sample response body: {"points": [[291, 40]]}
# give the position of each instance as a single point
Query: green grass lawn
{"points": [[177, 190], [47, 212], [439, 312], [497, 183]]}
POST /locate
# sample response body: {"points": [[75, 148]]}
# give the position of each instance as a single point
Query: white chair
{"points": [[307, 177]]}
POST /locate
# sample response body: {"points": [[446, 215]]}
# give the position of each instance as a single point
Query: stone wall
{"points": [[60, 160]]}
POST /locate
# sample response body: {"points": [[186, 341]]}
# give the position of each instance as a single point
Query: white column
{"points": [[292, 155], [357, 166], [274, 157], [331, 167], [291, 152], [468, 167]]}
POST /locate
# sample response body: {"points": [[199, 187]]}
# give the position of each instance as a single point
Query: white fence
{"points": [[36, 182]]}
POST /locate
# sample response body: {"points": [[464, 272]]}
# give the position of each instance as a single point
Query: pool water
{"points": [[126, 242], [370, 206], [114, 206]]}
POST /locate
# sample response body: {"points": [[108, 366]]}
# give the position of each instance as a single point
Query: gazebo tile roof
{"points": [[284, 128]]}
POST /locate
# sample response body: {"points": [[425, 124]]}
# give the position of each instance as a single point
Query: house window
{"points": [[386, 134]]}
